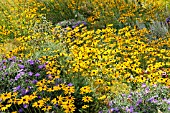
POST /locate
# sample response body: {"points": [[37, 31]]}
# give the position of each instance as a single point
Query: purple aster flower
{"points": [[18, 76], [100, 112], [41, 66], [34, 81], [22, 73], [129, 96], [37, 74], [154, 85], [151, 99], [138, 102], [16, 88], [84, 23], [70, 84], [21, 66], [12, 58], [24, 91], [143, 85], [111, 110], [20, 110], [123, 95], [25, 105], [26, 81], [155, 101], [4, 67], [169, 108], [147, 90], [130, 110], [31, 62], [79, 22], [4, 61], [116, 109], [73, 27], [166, 100], [30, 73]]}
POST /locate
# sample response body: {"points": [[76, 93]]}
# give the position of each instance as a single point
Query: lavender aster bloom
{"points": [[31, 62], [18, 76], [20, 110], [143, 85], [73, 27], [138, 102], [151, 99], [30, 73], [155, 101], [41, 66], [24, 91], [25, 105], [16, 88], [100, 112], [34, 81], [22, 73], [123, 95], [21, 66], [169, 108], [12, 58], [37, 74], [116, 109], [70, 84], [26, 81], [84, 23], [4, 67], [111, 110], [130, 110], [147, 90], [3, 61]]}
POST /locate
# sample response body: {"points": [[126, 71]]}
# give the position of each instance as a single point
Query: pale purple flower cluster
{"points": [[147, 99], [17, 75]]}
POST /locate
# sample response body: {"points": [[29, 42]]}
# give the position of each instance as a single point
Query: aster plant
{"points": [[146, 99], [19, 75]]}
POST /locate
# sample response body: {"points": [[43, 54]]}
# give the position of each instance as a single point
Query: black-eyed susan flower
{"points": [[38, 104], [67, 104], [69, 89], [47, 108], [23, 100], [87, 99], [85, 89], [85, 106], [5, 96], [99, 81]]}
